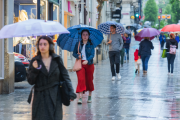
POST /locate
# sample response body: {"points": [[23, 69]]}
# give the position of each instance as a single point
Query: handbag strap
{"points": [[78, 47]]}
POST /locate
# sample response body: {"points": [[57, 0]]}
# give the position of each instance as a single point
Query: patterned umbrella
{"points": [[68, 41], [105, 27]]}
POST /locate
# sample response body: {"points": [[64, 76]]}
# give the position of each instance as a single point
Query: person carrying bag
{"points": [[171, 46], [85, 73]]}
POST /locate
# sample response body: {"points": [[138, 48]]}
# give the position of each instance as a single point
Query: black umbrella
{"points": [[131, 27]]}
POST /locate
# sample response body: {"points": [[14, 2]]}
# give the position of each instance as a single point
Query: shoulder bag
{"points": [[78, 64]]}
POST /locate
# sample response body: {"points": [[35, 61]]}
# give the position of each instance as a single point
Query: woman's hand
{"points": [[80, 56], [35, 64], [85, 62]]}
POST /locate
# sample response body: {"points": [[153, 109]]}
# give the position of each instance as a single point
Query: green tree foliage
{"points": [[162, 3], [175, 10], [151, 11]]}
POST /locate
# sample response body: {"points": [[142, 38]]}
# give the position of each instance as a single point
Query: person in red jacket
{"points": [[137, 60]]}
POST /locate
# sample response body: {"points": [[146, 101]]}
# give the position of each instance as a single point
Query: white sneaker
{"points": [[172, 74], [113, 78], [118, 75]]}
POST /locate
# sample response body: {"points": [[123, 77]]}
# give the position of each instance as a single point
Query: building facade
{"points": [[6, 50]]}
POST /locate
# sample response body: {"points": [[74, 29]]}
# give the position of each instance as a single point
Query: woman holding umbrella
{"points": [[45, 72], [85, 75], [145, 52]]}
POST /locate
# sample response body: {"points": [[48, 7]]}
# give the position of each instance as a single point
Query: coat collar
{"points": [[86, 44], [53, 64], [38, 57]]}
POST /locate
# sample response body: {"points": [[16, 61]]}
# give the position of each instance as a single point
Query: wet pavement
{"points": [[155, 96]]}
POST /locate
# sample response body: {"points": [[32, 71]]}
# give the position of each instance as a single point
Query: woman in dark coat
{"points": [[45, 71], [171, 57], [145, 52]]}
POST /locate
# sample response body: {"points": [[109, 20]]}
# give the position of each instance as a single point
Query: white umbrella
{"points": [[32, 27]]}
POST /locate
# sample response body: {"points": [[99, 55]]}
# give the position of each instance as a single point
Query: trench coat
{"points": [[47, 104]]}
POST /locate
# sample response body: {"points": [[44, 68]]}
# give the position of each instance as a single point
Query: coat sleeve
{"points": [[76, 51], [65, 76], [167, 44], [121, 42], [139, 52], [152, 47], [91, 56], [176, 45], [32, 74]]}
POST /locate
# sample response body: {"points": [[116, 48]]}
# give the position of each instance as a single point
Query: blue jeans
{"points": [[127, 54], [145, 59], [170, 59]]}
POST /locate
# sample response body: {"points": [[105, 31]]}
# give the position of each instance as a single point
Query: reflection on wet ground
{"points": [[155, 96]]}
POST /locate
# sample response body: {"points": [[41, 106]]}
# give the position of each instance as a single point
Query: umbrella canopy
{"points": [[32, 27], [127, 32], [105, 27], [68, 41], [148, 32], [171, 28], [137, 38], [137, 26], [131, 27], [147, 26], [139, 30]]}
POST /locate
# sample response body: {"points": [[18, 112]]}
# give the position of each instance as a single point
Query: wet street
{"points": [[155, 96]]}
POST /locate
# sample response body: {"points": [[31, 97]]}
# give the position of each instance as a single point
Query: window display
{"points": [[43, 9], [55, 12]]}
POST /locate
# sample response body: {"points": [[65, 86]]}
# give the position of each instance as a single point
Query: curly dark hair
{"points": [[50, 41]]}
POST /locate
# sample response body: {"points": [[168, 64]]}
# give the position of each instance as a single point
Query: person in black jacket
{"points": [[45, 72], [145, 52], [171, 57]]}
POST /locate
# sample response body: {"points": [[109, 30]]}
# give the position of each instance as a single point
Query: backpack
{"points": [[172, 49]]}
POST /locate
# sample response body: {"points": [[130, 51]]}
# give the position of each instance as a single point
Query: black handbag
{"points": [[65, 95], [64, 91]]}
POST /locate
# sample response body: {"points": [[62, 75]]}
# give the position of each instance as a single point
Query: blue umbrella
{"points": [[105, 27], [68, 41]]}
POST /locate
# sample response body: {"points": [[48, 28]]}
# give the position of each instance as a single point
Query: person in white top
{"points": [[85, 75]]}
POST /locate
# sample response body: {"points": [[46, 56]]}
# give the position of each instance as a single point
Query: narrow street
{"points": [[155, 96]]}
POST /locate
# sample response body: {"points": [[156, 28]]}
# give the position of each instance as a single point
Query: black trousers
{"points": [[170, 59], [162, 44], [114, 57]]}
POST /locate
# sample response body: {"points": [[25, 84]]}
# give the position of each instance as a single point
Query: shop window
{"points": [[27, 11], [43, 9], [55, 12]]}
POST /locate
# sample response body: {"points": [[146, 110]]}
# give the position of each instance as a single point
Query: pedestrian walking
{"points": [[115, 43], [171, 46], [129, 29], [145, 52], [137, 60], [85, 75], [162, 39], [127, 47], [177, 37], [45, 72], [122, 52]]}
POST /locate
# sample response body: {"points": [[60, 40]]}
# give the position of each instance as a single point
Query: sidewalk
{"points": [[155, 96]]}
